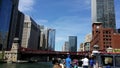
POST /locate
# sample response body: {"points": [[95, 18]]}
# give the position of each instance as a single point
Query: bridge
{"points": [[31, 51], [20, 53], [27, 53]]}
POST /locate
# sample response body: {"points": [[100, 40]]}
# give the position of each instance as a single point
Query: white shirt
{"points": [[85, 62]]}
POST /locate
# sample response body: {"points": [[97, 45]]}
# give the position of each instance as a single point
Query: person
{"points": [[108, 66], [80, 64], [75, 63], [91, 62], [61, 63], [85, 62], [56, 64], [68, 62]]}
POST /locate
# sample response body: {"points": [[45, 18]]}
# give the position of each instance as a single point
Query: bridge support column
{"points": [[47, 58], [12, 55]]}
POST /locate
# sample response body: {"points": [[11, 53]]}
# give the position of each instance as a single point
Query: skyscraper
{"points": [[51, 39], [65, 46], [8, 20], [73, 43], [103, 11], [31, 32]]}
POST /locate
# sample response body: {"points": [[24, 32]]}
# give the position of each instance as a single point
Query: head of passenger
{"points": [[55, 61]]}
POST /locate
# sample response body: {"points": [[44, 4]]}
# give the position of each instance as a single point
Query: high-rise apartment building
{"points": [[103, 11], [73, 43]]}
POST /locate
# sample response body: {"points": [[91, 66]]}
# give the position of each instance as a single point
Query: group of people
{"points": [[84, 63], [62, 64]]}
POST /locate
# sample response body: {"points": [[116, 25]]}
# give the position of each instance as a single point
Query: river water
{"points": [[27, 65]]}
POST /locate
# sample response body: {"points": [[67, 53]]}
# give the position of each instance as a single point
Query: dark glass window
{"points": [[117, 61], [5, 16]]}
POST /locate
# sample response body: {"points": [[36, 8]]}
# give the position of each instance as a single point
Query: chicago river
{"points": [[27, 65]]}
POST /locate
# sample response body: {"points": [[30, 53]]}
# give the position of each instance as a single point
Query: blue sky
{"points": [[68, 17]]}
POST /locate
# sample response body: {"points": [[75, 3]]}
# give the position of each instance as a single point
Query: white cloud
{"points": [[26, 5]]}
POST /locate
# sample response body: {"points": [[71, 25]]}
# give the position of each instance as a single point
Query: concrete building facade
{"points": [[82, 47], [65, 46], [42, 38], [88, 39], [31, 34], [87, 46]]}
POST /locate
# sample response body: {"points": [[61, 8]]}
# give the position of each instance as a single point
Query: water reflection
{"points": [[27, 65]]}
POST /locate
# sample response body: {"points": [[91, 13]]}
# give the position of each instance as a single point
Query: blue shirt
{"points": [[91, 62], [68, 62], [108, 66]]}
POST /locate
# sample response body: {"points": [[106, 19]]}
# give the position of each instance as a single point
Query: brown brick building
{"points": [[104, 37]]}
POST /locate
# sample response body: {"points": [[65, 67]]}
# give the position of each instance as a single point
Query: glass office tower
{"points": [[8, 20], [73, 43], [103, 11], [51, 39], [5, 16]]}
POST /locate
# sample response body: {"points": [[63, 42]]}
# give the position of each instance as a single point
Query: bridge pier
{"points": [[12, 55]]}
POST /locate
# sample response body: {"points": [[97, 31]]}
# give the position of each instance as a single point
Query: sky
{"points": [[68, 17]]}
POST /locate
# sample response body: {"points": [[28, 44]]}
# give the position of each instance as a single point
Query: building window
{"points": [[106, 32], [106, 35], [109, 35], [26, 25], [103, 35], [97, 31], [109, 39], [109, 32]]}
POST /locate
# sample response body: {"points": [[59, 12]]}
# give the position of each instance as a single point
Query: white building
{"points": [[31, 34]]}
